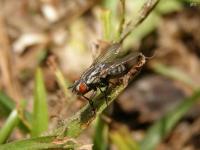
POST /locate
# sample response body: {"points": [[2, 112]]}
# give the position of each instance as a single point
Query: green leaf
{"points": [[163, 126], [100, 140], [40, 112], [8, 127]]}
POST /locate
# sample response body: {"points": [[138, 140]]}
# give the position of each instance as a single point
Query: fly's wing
{"points": [[108, 55], [131, 58]]}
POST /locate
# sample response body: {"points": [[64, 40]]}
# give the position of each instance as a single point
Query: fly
{"points": [[105, 67]]}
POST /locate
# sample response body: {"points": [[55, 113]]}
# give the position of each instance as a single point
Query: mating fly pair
{"points": [[108, 65]]}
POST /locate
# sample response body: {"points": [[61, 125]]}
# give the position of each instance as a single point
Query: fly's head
{"points": [[80, 87]]}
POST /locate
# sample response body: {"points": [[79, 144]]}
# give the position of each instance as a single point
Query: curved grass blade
{"points": [[123, 140], [8, 127], [47, 142], [100, 139], [40, 112], [6, 104], [174, 73]]}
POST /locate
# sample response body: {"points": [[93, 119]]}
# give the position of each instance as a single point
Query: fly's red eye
{"points": [[82, 88]]}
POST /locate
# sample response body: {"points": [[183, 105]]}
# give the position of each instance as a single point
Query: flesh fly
{"points": [[108, 65]]}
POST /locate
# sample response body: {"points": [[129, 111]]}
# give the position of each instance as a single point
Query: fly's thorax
{"points": [[92, 76]]}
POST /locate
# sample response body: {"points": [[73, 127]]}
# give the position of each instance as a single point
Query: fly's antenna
{"points": [[148, 6]]}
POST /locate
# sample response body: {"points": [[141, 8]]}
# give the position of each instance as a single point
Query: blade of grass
{"points": [[12, 121], [173, 73], [100, 139], [40, 112], [6, 104], [106, 17], [63, 83], [9, 125], [147, 7], [150, 23], [123, 140], [111, 5], [48, 142], [169, 6], [122, 18], [191, 2], [162, 127]]}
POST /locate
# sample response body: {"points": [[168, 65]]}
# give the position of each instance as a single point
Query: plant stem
{"points": [[144, 12]]}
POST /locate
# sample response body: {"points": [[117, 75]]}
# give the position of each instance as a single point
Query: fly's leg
{"points": [[105, 93], [91, 103]]}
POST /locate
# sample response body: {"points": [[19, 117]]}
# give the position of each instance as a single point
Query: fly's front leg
{"points": [[90, 100]]}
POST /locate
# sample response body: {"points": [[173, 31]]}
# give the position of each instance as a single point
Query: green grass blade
{"points": [[8, 127], [34, 144], [162, 127], [173, 73], [40, 112], [123, 140], [63, 84], [100, 140], [6, 107], [106, 17], [6, 104]]}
